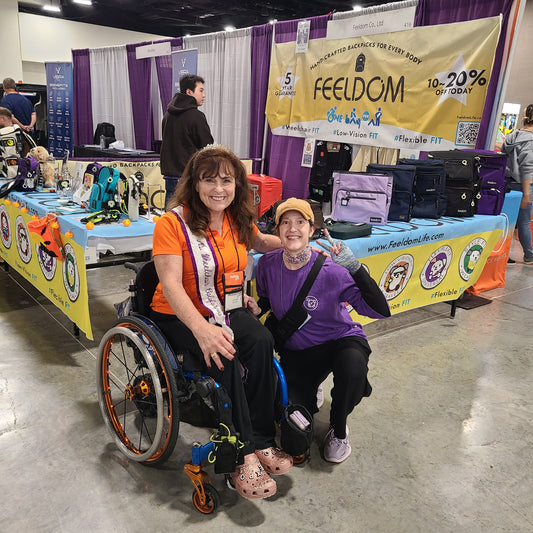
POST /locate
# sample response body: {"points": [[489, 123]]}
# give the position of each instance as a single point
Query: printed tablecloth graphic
{"points": [[63, 282]]}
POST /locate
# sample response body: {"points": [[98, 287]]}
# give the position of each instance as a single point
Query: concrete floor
{"points": [[444, 444]]}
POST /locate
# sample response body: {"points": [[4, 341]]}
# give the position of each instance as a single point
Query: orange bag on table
{"points": [[49, 240]]}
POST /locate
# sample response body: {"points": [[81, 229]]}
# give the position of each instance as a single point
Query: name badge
{"points": [[233, 290]]}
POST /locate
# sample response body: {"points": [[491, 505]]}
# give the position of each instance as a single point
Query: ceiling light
{"points": [[83, 2], [52, 7], [358, 8], [229, 28], [272, 21]]}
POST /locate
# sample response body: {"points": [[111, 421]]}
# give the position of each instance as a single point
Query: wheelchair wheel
{"points": [[212, 500], [137, 391]]}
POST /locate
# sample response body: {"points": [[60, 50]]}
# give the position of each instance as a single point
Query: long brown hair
{"points": [[209, 162]]}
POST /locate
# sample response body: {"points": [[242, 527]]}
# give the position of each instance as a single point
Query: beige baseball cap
{"points": [[295, 204]]}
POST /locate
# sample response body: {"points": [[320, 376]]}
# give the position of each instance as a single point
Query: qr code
{"points": [[466, 133]]}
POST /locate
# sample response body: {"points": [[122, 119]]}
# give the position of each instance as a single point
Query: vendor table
{"points": [[426, 261], [415, 263], [63, 280]]}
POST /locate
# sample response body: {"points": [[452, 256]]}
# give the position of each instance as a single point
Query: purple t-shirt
{"points": [[329, 318]]}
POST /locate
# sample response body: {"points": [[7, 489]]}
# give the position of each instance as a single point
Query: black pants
{"points": [[306, 369], [252, 395]]}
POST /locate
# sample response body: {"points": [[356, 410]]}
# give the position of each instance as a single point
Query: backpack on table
{"points": [[328, 158], [403, 184], [493, 185], [429, 187], [104, 190], [361, 197], [462, 181]]}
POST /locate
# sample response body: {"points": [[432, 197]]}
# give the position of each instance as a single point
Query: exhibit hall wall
{"points": [[10, 63], [48, 39]]}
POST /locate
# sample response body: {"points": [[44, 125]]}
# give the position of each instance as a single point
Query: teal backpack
{"points": [[104, 190]]}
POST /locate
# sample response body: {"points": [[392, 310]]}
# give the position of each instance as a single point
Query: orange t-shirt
{"points": [[169, 239]]}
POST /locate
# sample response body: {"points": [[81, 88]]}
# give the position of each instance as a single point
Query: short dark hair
{"points": [[9, 83], [189, 81], [4, 111]]}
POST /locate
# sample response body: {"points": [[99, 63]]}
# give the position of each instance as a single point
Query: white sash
{"points": [[205, 265]]}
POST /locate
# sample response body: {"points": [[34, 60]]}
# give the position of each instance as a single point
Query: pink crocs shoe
{"points": [[251, 481], [274, 460]]}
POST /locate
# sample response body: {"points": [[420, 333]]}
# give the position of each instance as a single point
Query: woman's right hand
{"points": [[216, 343], [213, 340]]}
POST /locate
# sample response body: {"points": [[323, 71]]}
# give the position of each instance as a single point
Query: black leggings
{"points": [[306, 369], [252, 395]]}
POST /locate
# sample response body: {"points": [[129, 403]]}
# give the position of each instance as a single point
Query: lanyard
{"points": [[234, 245]]}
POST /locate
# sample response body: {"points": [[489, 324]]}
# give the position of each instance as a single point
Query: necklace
{"points": [[299, 258]]}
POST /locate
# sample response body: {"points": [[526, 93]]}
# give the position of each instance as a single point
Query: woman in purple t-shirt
{"points": [[329, 340]]}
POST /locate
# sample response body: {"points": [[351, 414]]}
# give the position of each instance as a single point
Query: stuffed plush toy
{"points": [[40, 153]]}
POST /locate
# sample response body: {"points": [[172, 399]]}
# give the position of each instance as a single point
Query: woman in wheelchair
{"points": [[327, 340], [200, 252]]}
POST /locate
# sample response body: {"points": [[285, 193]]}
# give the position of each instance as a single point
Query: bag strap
{"points": [[309, 280]]}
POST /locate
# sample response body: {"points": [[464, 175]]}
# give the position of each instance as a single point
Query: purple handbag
{"points": [[492, 173], [361, 197]]}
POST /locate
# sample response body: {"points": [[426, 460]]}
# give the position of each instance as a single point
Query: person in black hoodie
{"points": [[185, 130]]}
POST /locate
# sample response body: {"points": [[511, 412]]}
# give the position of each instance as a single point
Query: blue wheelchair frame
{"points": [[147, 393]]}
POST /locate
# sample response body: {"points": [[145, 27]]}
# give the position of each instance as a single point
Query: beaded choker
{"points": [[299, 258]]}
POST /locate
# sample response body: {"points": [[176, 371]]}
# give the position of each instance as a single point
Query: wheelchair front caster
{"points": [[205, 497], [209, 501], [301, 459]]}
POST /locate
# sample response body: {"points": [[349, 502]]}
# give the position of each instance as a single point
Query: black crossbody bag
{"points": [[296, 316]]}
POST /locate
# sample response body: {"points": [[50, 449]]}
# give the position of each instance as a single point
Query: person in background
{"points": [[6, 118], [518, 146], [14, 143], [199, 251], [185, 130], [329, 341], [23, 112]]}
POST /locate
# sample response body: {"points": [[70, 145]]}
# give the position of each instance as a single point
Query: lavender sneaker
{"points": [[336, 450]]}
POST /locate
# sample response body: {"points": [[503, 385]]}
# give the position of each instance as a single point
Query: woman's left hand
{"points": [[340, 253], [251, 304]]}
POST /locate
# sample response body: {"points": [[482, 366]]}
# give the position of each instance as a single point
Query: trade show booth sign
{"points": [[422, 88], [183, 62], [59, 88]]}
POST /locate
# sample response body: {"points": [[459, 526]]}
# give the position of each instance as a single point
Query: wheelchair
{"points": [[141, 384]]}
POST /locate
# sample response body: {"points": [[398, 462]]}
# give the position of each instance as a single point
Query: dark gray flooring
{"points": [[444, 444]]}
